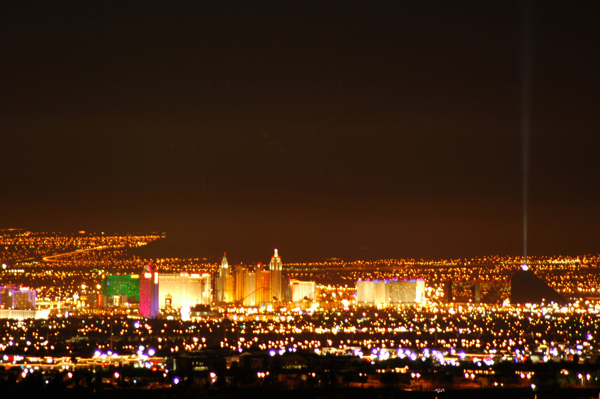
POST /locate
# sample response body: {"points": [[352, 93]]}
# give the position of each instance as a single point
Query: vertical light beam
{"points": [[525, 113]]}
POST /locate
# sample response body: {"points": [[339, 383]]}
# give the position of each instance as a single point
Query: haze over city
{"points": [[359, 131]]}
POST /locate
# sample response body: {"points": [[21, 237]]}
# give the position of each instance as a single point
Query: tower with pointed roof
{"points": [[221, 281], [275, 267]]}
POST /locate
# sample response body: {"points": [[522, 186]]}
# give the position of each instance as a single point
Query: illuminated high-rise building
{"points": [[262, 286], [275, 267], [249, 286], [184, 289], [13, 297], [286, 289], [237, 272], [6, 296], [303, 290], [221, 281], [244, 285], [406, 291], [382, 293], [389, 292], [207, 289], [229, 296], [24, 298], [365, 292], [149, 292], [122, 284]]}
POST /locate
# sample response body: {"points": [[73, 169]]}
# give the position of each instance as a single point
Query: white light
{"points": [[185, 313], [176, 380]]}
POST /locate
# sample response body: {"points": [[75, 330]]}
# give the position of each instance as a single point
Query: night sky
{"points": [[359, 130]]}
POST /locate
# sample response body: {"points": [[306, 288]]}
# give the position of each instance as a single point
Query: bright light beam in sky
{"points": [[525, 113]]}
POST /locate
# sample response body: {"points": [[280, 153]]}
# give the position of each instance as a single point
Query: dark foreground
{"points": [[316, 393]]}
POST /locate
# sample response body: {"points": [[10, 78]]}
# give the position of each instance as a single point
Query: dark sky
{"points": [[325, 129]]}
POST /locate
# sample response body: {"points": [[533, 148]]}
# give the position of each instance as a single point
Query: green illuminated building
{"points": [[122, 284]]}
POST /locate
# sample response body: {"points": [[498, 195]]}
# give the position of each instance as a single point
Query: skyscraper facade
{"points": [[184, 289], [6, 296], [221, 281], [24, 298], [275, 267], [238, 274], [13, 297], [303, 290], [229, 288], [122, 284], [262, 286], [149, 292], [249, 285], [389, 292]]}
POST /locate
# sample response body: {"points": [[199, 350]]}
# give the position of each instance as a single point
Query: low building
{"points": [[389, 292]]}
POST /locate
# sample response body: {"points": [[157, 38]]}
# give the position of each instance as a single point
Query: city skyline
{"points": [[84, 312]]}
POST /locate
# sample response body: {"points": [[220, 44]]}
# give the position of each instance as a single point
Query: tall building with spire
{"points": [[275, 267], [221, 283]]}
